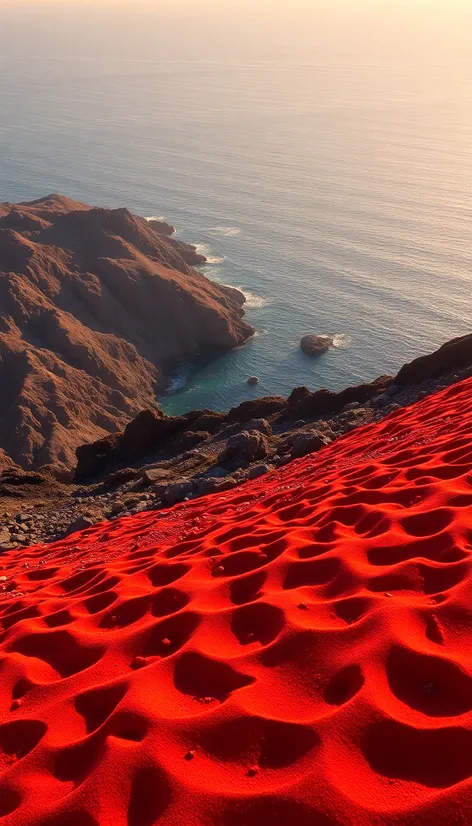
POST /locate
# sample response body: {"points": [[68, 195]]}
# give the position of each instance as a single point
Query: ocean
{"points": [[331, 184]]}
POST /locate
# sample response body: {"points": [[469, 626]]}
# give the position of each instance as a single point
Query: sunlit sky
{"points": [[374, 28]]}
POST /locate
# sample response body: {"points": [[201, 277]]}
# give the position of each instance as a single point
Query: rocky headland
{"points": [[95, 306]]}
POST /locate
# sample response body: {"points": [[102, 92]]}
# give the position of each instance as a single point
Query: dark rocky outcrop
{"points": [[452, 355], [257, 409], [173, 470], [161, 227], [152, 432], [302, 403]]}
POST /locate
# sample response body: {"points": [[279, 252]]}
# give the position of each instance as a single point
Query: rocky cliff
{"points": [[94, 304], [152, 431]]}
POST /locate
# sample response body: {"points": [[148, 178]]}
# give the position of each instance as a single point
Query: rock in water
{"points": [[161, 227], [253, 380], [316, 345]]}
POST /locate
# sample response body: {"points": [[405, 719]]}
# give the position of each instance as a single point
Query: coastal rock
{"points": [[94, 303], [80, 524], [314, 345], [204, 420], [253, 380], [262, 425], [161, 227], [326, 403], [454, 354], [308, 443], [297, 395], [276, 418], [245, 446], [257, 409], [188, 253]]}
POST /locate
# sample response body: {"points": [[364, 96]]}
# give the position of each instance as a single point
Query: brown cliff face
{"points": [[94, 303]]}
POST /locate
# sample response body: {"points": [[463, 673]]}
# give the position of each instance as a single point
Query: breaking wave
{"points": [[253, 301], [207, 251], [179, 380], [341, 341], [229, 232]]}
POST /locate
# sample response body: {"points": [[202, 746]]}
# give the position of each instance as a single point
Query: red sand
{"points": [[297, 651]]}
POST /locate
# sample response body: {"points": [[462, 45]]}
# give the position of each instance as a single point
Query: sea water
{"points": [[329, 180]]}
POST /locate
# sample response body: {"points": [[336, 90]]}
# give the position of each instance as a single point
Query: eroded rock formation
{"points": [[94, 304]]}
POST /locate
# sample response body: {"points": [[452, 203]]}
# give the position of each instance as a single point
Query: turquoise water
{"points": [[334, 191]]}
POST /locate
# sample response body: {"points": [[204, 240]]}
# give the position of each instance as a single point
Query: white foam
{"points": [[341, 341], [228, 231], [253, 301], [178, 380], [155, 218], [206, 250]]}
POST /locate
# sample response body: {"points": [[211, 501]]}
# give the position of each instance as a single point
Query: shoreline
{"points": [[159, 461]]}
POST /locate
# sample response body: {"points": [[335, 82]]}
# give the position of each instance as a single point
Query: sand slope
{"points": [[296, 651]]}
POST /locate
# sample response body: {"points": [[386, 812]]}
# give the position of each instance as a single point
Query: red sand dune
{"points": [[297, 651]]}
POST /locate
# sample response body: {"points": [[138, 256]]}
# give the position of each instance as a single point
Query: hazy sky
{"points": [[374, 29]]}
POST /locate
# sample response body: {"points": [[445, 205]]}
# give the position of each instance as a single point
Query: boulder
{"points": [[205, 486], [256, 471], [253, 380], [316, 345], [177, 492], [161, 227], [80, 524], [262, 425], [7, 546], [308, 443], [246, 446], [154, 476]]}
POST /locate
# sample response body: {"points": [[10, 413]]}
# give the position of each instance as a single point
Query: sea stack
{"points": [[316, 345]]}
